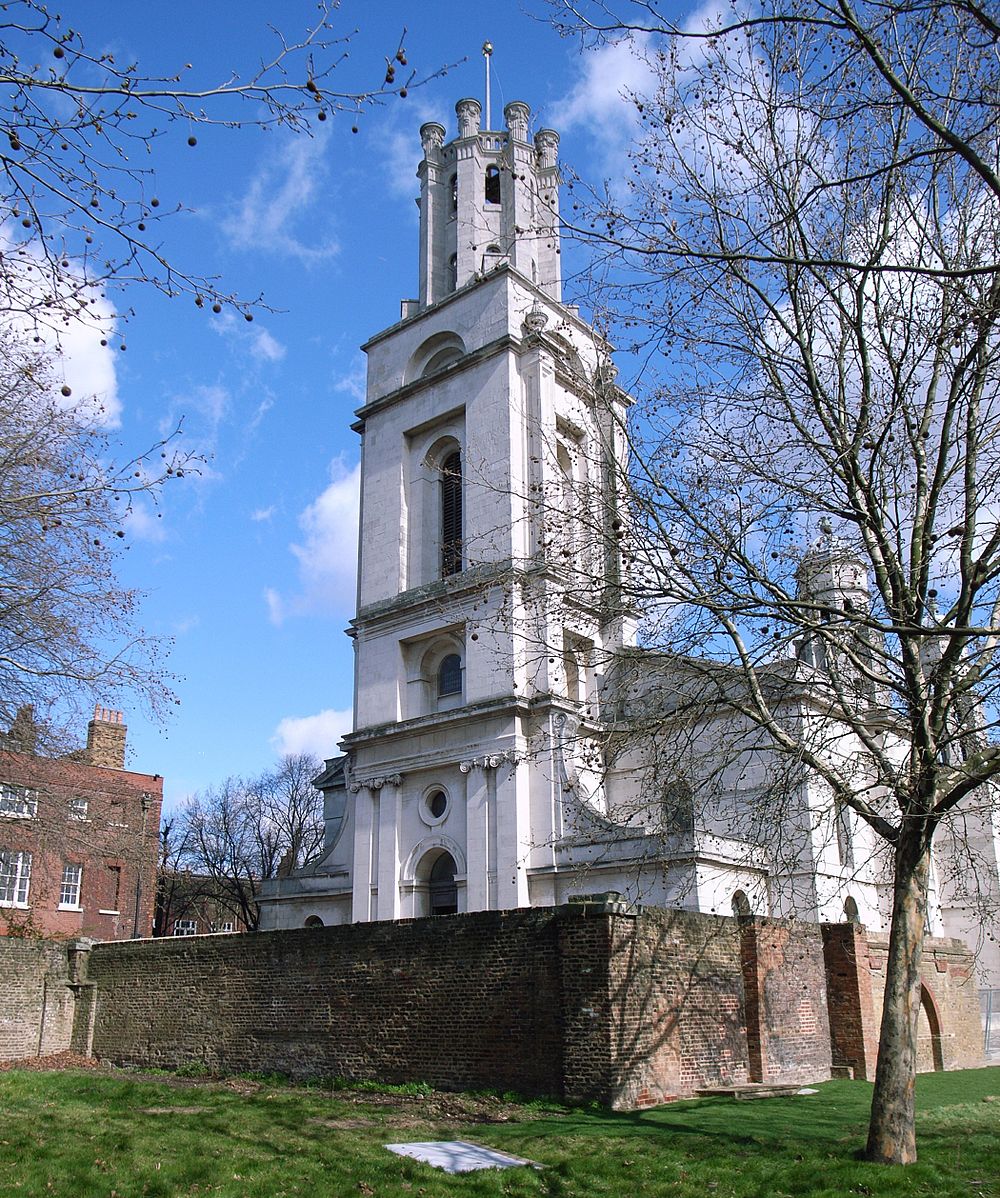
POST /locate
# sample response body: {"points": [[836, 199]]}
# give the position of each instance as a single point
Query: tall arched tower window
{"points": [[492, 185], [451, 514]]}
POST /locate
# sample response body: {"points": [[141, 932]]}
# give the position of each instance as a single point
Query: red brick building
{"points": [[78, 836]]}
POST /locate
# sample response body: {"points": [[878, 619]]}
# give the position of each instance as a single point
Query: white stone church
{"points": [[492, 652]]}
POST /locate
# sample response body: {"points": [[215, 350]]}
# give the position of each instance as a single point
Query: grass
{"points": [[88, 1134]]}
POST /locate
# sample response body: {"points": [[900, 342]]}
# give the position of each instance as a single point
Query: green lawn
{"points": [[91, 1133]]}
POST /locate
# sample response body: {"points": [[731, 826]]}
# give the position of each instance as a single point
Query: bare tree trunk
{"points": [[891, 1130]]}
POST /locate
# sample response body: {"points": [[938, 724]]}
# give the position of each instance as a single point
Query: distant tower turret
{"points": [[835, 580]]}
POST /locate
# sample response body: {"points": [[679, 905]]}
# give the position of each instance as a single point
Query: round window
{"points": [[434, 806]]}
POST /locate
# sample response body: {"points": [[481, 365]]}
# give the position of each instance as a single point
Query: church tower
{"points": [[487, 565]]}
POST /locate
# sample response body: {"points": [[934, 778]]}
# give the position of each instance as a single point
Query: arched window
{"points": [[453, 272], [741, 905], [451, 514], [450, 675], [453, 188], [492, 185], [313, 921], [851, 913]]}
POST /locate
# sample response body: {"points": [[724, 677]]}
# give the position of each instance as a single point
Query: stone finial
{"points": [[536, 319], [468, 113], [517, 114], [606, 373], [431, 138], [547, 147]]}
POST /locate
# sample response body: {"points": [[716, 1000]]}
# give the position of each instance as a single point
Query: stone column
{"points": [[362, 877], [513, 834], [481, 830], [390, 794]]}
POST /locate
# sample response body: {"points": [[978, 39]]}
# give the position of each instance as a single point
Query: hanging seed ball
{"points": [[154, 202], [248, 317], [321, 115], [58, 52], [217, 308], [66, 391], [192, 141], [354, 128], [141, 227]]}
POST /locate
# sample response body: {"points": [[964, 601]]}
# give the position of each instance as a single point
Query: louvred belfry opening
{"points": [[451, 515]]}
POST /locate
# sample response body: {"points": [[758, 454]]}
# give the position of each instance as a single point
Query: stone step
{"points": [[748, 1092]]}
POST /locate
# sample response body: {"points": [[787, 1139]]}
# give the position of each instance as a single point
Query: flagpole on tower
{"points": [[487, 54]]}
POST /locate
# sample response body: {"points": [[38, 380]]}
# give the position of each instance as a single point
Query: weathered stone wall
{"points": [[36, 1002]]}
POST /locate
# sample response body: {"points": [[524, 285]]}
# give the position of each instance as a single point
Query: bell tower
{"points": [[490, 438], [486, 198]]}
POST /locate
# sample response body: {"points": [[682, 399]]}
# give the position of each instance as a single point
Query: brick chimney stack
{"points": [[106, 734]]}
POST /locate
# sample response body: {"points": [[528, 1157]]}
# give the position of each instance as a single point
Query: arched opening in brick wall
{"points": [[929, 1055]]}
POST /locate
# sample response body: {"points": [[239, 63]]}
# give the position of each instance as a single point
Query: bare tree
{"points": [[81, 212], [79, 188], [68, 629], [808, 243], [245, 830]]}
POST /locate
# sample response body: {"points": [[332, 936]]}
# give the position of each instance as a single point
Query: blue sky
{"points": [[250, 567]]}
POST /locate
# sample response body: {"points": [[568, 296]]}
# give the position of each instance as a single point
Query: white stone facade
{"points": [[488, 635]]}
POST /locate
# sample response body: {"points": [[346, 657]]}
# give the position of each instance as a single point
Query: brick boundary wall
{"points": [[951, 1031], [38, 996], [590, 1001]]}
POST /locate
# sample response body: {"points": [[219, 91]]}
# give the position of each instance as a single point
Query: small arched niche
{"points": [[741, 905], [313, 921], [433, 355]]}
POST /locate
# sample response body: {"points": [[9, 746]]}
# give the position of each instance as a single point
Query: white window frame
{"points": [[18, 802], [79, 807], [185, 927], [70, 886], [15, 878]]}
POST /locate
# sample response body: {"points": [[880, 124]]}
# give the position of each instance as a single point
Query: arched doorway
{"points": [[442, 891], [929, 1055]]}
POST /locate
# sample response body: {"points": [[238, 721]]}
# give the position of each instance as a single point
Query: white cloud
{"points": [[262, 514], [316, 734], [263, 345], [79, 358], [143, 524], [259, 341], [354, 381], [277, 212], [398, 139], [598, 102], [328, 552]]}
